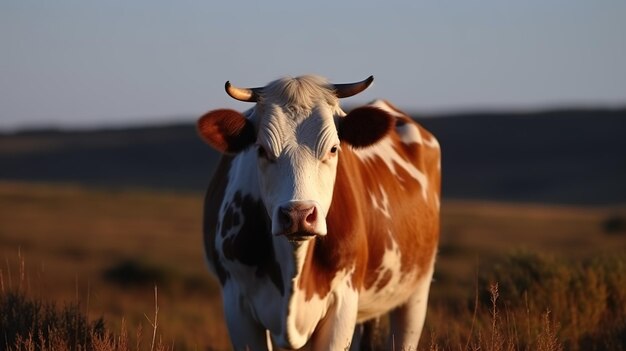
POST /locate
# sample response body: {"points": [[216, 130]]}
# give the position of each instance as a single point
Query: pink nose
{"points": [[297, 218]]}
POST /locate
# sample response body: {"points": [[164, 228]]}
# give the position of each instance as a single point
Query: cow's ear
{"points": [[226, 130], [364, 126]]}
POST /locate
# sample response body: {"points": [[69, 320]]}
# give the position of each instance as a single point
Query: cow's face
{"points": [[297, 160], [296, 129]]}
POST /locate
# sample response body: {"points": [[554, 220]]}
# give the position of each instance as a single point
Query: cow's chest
{"points": [[276, 299], [256, 283]]}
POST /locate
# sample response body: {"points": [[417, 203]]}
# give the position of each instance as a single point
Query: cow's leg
{"points": [[336, 330], [245, 333], [407, 321]]}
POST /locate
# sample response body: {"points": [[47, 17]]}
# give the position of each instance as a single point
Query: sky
{"points": [[85, 64]]}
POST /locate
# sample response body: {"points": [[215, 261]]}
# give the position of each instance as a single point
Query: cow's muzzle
{"points": [[299, 220]]}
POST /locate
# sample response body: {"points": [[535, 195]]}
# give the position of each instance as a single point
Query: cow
{"points": [[315, 220]]}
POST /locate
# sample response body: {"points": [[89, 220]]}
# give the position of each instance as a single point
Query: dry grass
{"points": [[30, 323], [107, 249], [528, 301], [71, 237]]}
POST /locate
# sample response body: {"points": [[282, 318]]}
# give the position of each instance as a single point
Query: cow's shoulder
{"points": [[408, 158], [409, 132]]}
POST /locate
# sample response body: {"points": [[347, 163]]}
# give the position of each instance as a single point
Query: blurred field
{"points": [[475, 234], [108, 247]]}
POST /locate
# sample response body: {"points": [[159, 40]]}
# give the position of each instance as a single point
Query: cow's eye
{"points": [[332, 152]]}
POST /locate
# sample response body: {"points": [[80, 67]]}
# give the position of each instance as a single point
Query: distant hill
{"points": [[169, 157], [568, 157]]}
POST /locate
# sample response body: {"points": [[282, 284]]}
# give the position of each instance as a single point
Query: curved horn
{"points": [[243, 94], [350, 89]]}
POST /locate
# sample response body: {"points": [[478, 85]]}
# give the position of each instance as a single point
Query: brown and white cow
{"points": [[317, 220]]}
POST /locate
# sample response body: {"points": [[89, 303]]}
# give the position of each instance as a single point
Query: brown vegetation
{"points": [[98, 254]]}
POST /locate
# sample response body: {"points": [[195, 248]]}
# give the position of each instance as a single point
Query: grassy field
{"points": [[106, 249]]}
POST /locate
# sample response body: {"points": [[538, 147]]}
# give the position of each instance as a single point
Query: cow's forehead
{"points": [[283, 126]]}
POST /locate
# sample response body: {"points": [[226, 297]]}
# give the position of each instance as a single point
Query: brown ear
{"points": [[365, 126], [226, 130]]}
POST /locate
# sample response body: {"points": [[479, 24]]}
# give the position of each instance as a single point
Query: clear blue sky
{"points": [[78, 63]]}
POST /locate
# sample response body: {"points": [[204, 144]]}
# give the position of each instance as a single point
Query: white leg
{"points": [[357, 338], [407, 321], [335, 332], [245, 333]]}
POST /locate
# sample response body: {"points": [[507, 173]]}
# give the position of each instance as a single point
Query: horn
{"points": [[243, 94], [350, 89]]}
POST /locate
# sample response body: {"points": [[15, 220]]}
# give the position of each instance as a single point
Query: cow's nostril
{"points": [[311, 218], [297, 218]]}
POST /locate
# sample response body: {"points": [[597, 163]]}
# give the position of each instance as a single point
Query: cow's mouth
{"points": [[299, 237]]}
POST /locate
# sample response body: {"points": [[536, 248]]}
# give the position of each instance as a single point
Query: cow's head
{"points": [[297, 128]]}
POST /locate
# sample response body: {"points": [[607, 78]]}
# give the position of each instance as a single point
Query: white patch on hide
{"points": [[383, 204], [374, 302], [386, 152]]}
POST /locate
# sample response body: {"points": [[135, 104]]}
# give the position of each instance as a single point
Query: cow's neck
{"points": [[292, 258]]}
